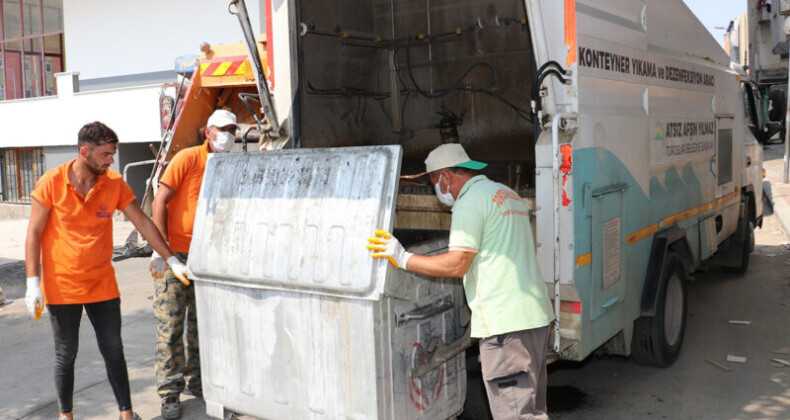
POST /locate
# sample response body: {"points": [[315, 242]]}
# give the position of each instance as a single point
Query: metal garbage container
{"points": [[295, 319]]}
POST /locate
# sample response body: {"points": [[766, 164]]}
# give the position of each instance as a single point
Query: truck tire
{"points": [[768, 202], [745, 247], [657, 339]]}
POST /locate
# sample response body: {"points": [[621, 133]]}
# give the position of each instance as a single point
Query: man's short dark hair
{"points": [[96, 134]]}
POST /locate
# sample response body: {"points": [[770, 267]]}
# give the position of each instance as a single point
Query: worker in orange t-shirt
{"points": [[173, 212], [70, 234]]}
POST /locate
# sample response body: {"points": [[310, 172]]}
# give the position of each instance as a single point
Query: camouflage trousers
{"points": [[177, 367]]}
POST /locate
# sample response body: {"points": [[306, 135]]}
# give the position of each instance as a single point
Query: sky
{"points": [[713, 13]]}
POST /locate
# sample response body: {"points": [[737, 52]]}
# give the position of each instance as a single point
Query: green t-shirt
{"points": [[503, 286]]}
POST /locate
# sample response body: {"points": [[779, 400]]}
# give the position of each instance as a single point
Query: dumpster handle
{"points": [[427, 311], [443, 353]]}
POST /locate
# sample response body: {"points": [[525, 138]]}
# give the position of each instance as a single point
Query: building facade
{"points": [[736, 40], [768, 46], [64, 63]]}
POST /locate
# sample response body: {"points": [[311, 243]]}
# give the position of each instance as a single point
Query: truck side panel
{"points": [[657, 147]]}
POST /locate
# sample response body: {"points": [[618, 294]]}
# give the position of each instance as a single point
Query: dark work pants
{"points": [[106, 319]]}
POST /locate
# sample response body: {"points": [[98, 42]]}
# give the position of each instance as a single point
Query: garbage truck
{"points": [[619, 122]]}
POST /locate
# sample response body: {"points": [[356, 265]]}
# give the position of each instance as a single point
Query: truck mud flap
{"points": [[663, 242]]}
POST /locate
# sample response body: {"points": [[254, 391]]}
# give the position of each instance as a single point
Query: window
{"points": [[31, 47], [20, 169]]}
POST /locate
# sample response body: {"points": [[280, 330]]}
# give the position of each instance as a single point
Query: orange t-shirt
{"points": [[76, 245], [184, 174]]}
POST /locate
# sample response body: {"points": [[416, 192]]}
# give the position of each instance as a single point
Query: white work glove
{"points": [[157, 266], [179, 269], [388, 247], [34, 300]]}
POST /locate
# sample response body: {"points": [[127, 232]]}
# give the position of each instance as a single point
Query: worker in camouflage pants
{"points": [[174, 303], [173, 211]]}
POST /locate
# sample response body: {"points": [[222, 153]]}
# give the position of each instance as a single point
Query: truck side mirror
{"points": [[772, 132]]}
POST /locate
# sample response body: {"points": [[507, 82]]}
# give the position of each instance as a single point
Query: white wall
{"points": [[133, 113], [116, 37], [58, 155]]}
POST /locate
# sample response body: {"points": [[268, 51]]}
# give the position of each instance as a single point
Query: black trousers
{"points": [[106, 319]]}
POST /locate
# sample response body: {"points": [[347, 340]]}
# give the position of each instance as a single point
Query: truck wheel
{"points": [[747, 248], [657, 339], [768, 204], [744, 248]]}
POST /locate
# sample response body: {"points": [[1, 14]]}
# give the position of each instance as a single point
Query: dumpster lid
{"points": [[296, 219]]}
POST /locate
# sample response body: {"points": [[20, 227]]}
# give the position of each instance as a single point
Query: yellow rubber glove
{"points": [[179, 269], [387, 246]]}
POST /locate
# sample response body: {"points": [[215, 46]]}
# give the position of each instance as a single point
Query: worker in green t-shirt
{"points": [[491, 247]]}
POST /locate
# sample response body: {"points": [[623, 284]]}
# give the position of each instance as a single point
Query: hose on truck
{"points": [[492, 91]]}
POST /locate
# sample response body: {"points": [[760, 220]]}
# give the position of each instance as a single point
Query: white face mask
{"points": [[223, 141], [444, 197]]}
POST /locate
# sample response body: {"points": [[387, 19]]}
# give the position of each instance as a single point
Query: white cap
{"points": [[221, 118], [451, 155]]}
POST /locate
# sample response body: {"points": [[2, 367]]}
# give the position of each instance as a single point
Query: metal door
{"points": [[608, 286]]}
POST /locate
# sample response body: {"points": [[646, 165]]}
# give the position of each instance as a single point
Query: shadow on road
{"points": [[615, 387]]}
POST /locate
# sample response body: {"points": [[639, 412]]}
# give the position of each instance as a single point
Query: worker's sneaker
{"points": [[135, 416], [171, 407]]}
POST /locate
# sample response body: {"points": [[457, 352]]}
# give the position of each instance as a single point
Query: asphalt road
{"points": [[605, 387], [600, 388], [27, 390]]}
